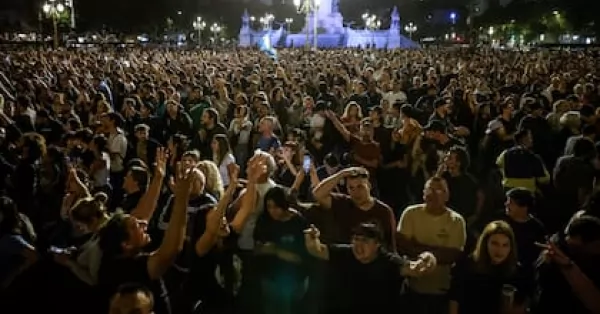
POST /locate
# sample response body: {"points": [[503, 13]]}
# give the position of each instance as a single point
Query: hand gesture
{"points": [[185, 178], [426, 262], [257, 168], [162, 158], [233, 170], [553, 254], [312, 234]]}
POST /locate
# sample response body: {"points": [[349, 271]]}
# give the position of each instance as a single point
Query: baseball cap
{"points": [[493, 126], [369, 231], [521, 196]]}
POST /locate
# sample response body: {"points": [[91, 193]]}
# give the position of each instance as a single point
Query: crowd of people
{"points": [[433, 181]]}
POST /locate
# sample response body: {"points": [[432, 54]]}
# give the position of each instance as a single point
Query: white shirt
{"points": [[101, 176], [223, 170], [447, 230], [392, 97], [117, 146], [317, 123]]}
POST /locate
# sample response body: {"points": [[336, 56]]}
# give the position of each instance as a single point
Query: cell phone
{"points": [[306, 163]]}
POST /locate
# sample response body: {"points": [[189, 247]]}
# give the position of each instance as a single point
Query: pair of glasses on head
{"points": [[359, 174]]}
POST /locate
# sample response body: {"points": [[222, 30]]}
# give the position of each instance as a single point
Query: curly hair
{"points": [[214, 183]]}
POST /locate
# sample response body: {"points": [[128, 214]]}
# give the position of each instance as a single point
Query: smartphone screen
{"points": [[306, 163]]}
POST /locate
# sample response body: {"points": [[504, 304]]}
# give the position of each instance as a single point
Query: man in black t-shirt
{"points": [[364, 277]]}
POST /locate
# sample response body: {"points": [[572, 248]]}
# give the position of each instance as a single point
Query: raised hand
{"points": [[162, 159], [553, 254], [184, 181], [257, 168], [234, 173], [214, 220], [312, 234]]}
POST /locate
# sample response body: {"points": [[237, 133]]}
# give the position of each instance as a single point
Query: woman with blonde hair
{"points": [[214, 184], [490, 280], [352, 116]]}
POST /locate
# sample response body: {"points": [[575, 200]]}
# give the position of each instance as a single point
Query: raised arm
{"points": [[147, 204], [172, 244], [322, 192], [338, 125], [257, 168], [214, 220]]}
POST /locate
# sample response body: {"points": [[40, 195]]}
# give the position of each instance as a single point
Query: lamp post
{"points": [[288, 23], [267, 21], [453, 17], [53, 10], [215, 29], [71, 5], [199, 25], [309, 8], [371, 23], [410, 28]]}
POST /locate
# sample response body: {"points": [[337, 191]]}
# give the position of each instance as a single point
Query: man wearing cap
{"points": [[365, 278]]}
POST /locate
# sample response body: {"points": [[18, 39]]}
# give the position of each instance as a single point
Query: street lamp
{"points": [[199, 25], [410, 28], [289, 22], [71, 5], [371, 23], [309, 8], [53, 10], [453, 17], [267, 21], [215, 29]]}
